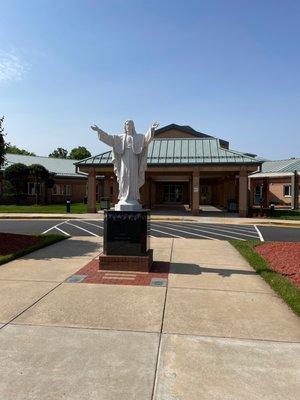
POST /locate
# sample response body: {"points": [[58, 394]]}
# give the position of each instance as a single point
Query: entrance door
{"points": [[172, 193], [205, 194]]}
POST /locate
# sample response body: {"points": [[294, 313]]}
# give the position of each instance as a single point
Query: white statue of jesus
{"points": [[129, 156]]}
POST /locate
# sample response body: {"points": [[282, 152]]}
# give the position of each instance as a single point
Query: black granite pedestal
{"points": [[126, 241]]}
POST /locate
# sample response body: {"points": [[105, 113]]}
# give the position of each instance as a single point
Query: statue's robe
{"points": [[129, 156]]}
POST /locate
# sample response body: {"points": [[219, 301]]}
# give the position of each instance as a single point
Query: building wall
{"points": [[77, 192], [174, 133], [276, 190]]}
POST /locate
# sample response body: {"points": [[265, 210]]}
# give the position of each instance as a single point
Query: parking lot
{"points": [[94, 227]]}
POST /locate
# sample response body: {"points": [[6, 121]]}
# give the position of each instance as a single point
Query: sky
{"points": [[228, 68]]}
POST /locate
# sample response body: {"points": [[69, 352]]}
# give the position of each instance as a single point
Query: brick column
{"points": [[195, 193], [243, 193], [265, 192], [153, 193], [147, 193], [295, 191], [91, 206], [251, 192], [225, 193]]}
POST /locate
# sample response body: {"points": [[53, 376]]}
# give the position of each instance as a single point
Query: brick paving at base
{"points": [[91, 273]]}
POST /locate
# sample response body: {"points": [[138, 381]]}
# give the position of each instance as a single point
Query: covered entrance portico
{"points": [[179, 186], [198, 186]]}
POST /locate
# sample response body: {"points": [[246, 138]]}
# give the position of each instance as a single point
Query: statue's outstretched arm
{"points": [[150, 134], [103, 136]]}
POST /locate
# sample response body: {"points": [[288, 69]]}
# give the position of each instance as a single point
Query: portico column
{"points": [[243, 193], [265, 192], [225, 193], [251, 193], [91, 206], [152, 193], [195, 193], [295, 191]]}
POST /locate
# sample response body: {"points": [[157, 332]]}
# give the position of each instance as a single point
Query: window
{"points": [[55, 189], [287, 190], [32, 188], [172, 193], [62, 190], [258, 190], [68, 190]]}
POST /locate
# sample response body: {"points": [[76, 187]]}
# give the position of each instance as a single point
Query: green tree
{"points": [[12, 149], [40, 175], [59, 153], [2, 143], [17, 175], [79, 153]]}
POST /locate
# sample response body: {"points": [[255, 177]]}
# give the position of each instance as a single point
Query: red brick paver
{"points": [[159, 270]]}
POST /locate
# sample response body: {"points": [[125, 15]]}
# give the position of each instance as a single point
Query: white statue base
{"points": [[130, 205]]}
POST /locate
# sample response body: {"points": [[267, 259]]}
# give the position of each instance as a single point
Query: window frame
{"points": [[34, 186], [62, 189], [289, 190]]}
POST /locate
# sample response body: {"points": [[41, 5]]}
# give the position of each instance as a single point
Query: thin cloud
{"points": [[12, 67]]}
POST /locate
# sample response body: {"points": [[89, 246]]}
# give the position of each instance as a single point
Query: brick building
{"points": [[277, 182], [185, 167], [68, 182]]}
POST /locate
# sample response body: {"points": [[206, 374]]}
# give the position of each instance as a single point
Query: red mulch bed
{"points": [[284, 258], [11, 243]]}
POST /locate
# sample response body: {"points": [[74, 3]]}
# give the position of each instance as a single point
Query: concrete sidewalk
{"points": [[217, 331], [157, 217]]}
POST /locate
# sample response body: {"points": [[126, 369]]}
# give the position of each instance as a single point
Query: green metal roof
{"points": [[181, 151], [61, 167], [284, 167], [289, 165]]}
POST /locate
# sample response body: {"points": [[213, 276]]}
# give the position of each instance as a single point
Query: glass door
{"points": [[173, 193]]}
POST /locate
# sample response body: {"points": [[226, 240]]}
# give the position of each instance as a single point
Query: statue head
{"points": [[129, 127]]}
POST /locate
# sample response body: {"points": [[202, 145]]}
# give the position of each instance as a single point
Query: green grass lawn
{"points": [[278, 214], [287, 214], [46, 240], [76, 208], [281, 285]]}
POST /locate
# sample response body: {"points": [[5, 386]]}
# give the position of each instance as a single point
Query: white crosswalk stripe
{"points": [[166, 233], [229, 230], [85, 230], [189, 233], [89, 223]]}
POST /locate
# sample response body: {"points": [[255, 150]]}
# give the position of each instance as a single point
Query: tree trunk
{"points": [[37, 193]]}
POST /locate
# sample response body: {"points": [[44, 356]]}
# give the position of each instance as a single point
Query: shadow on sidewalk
{"points": [[195, 269], [66, 249]]}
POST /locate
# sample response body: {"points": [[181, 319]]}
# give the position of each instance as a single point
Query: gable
{"points": [[174, 133], [185, 132]]}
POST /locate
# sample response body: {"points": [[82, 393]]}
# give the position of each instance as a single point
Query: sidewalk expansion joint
{"points": [[27, 280], [225, 290], [33, 304], [88, 328], [231, 338], [155, 379]]}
